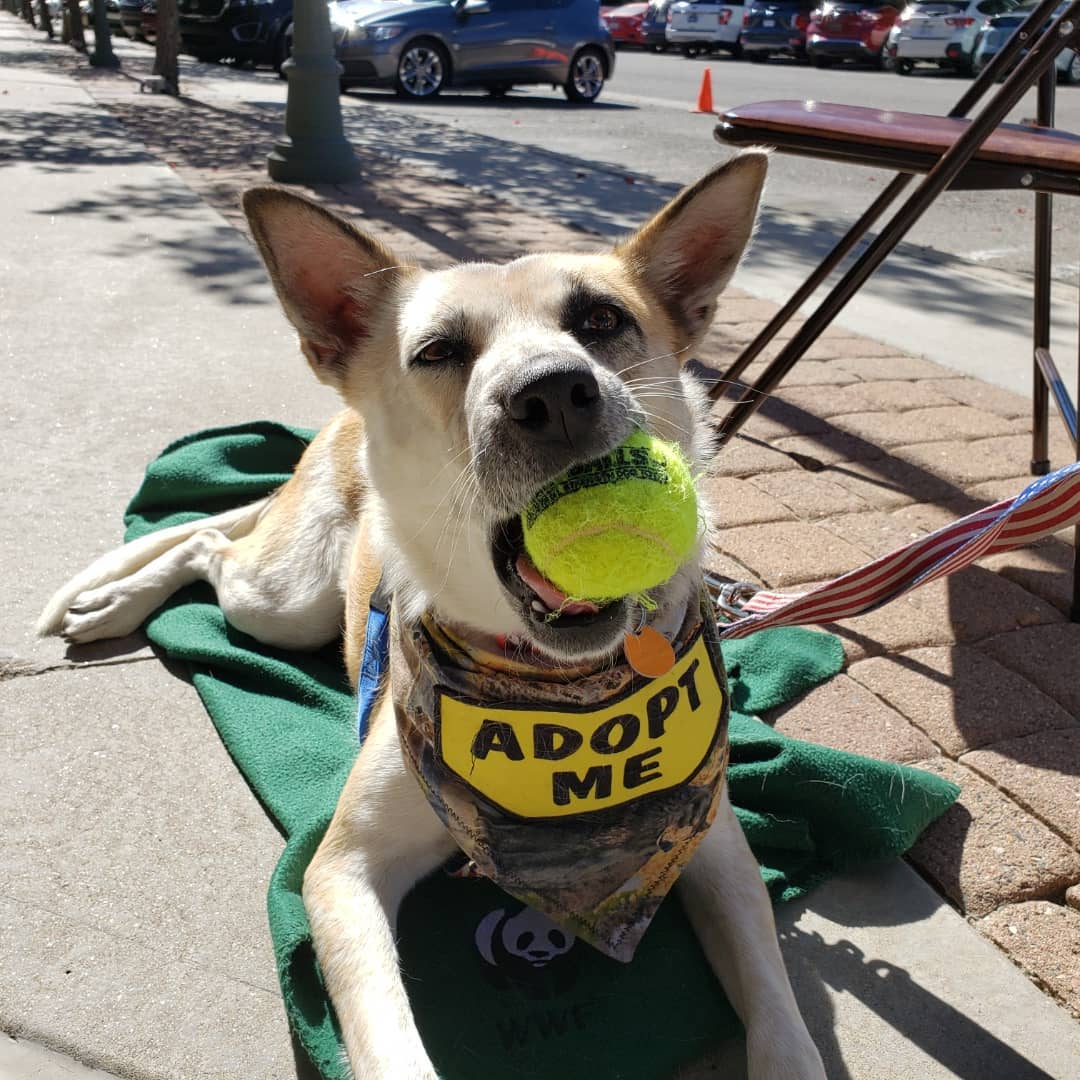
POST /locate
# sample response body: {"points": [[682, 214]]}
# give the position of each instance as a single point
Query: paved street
{"points": [[643, 126], [609, 166]]}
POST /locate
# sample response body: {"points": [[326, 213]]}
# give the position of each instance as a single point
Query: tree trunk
{"points": [[73, 21], [45, 18], [167, 46]]}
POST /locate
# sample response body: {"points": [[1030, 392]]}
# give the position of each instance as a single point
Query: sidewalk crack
{"points": [[16, 668]]}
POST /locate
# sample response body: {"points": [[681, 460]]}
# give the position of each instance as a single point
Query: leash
{"points": [[1046, 505]]}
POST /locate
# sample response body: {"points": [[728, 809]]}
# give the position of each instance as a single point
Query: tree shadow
{"points": [[55, 140]]}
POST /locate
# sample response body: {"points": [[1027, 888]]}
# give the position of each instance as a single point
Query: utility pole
{"points": [[314, 148]]}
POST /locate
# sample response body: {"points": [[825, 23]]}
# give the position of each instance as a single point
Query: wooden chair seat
{"points": [[905, 141]]}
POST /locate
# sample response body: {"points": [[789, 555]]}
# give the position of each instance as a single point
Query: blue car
{"points": [[998, 30], [420, 47]]}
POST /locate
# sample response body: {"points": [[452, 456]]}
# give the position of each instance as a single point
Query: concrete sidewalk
{"points": [[134, 859]]}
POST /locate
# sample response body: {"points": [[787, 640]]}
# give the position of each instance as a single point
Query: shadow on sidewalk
{"points": [[55, 141]]}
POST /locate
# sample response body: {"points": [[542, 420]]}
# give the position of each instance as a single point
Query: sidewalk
{"points": [[134, 859]]}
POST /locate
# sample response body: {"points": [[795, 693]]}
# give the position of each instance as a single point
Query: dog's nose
{"points": [[560, 406]]}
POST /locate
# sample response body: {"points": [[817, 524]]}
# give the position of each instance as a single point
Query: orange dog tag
{"points": [[649, 653]]}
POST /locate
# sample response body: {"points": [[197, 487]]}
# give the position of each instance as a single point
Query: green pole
{"points": [[103, 55], [314, 148]]}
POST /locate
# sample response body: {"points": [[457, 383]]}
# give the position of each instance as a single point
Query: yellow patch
{"points": [[544, 763]]}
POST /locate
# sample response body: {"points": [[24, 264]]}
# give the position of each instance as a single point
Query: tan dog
{"points": [[466, 390]]}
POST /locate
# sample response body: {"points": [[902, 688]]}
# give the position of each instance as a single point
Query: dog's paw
{"points": [[783, 1052], [110, 611]]}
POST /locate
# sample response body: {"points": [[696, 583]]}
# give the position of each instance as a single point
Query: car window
{"points": [[995, 7]]}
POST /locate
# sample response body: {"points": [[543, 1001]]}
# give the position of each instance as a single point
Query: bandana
{"points": [[582, 793]]}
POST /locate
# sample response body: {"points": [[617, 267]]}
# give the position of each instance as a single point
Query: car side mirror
{"points": [[471, 7]]}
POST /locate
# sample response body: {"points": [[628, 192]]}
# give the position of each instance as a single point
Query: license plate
{"points": [[924, 32], [691, 18], [768, 22]]}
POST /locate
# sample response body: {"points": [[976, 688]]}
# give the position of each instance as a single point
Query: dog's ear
{"points": [[688, 252], [331, 278]]}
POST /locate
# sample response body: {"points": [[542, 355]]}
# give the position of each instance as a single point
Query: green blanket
{"points": [[288, 720]]}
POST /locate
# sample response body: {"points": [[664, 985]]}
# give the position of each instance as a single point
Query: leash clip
{"points": [[730, 597]]}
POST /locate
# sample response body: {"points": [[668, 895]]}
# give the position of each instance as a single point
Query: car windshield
{"points": [[939, 7]]}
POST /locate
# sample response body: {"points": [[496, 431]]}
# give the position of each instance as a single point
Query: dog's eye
{"points": [[439, 351], [602, 319]]}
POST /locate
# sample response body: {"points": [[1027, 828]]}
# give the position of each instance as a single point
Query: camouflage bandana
{"points": [[581, 793]]}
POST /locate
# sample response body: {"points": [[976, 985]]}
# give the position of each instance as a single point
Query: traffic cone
{"points": [[704, 98]]}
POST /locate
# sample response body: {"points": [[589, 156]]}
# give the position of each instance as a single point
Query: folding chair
{"points": [[953, 153]]}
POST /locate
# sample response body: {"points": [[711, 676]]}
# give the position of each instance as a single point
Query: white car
{"points": [[941, 32], [697, 26]]}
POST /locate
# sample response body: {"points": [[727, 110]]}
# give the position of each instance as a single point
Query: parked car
{"points": [[654, 25], [420, 48], [698, 26], [941, 32], [850, 30], [246, 30], [149, 21], [112, 17], [1000, 28], [624, 24], [131, 18], [776, 28]]}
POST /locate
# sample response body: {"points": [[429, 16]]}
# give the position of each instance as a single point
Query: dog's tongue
{"points": [[552, 598]]}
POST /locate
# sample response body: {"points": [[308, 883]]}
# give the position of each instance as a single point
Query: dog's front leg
{"points": [[384, 837], [730, 910]]}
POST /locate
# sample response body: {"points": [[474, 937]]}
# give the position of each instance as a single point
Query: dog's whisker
{"points": [[402, 266], [651, 359]]}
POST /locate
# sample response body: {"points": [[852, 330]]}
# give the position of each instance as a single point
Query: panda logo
{"points": [[526, 950]]}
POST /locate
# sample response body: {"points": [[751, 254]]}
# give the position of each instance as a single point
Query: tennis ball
{"points": [[616, 526]]}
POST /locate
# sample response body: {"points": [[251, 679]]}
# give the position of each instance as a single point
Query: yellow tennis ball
{"points": [[616, 526]]}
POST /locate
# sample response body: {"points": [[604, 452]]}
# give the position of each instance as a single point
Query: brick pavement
{"points": [[862, 449]]}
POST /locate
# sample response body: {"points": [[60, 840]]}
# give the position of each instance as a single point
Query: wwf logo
{"points": [[526, 951]]}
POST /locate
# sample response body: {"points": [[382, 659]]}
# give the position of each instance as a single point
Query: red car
{"points": [[850, 30], [624, 23]]}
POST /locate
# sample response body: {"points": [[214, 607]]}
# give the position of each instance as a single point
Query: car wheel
{"points": [[204, 56], [821, 61], [658, 48], [1071, 74], [737, 51], [586, 77], [904, 67], [499, 90], [690, 51], [423, 70]]}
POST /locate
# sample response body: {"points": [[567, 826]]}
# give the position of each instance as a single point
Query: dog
{"points": [[465, 391]]}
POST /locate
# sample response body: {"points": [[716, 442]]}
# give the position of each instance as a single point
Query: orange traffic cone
{"points": [[704, 98]]}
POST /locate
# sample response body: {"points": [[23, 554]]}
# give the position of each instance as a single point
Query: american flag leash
{"points": [[1046, 505]]}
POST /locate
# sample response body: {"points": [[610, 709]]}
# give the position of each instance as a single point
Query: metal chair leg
{"points": [[1040, 59], [1040, 323]]}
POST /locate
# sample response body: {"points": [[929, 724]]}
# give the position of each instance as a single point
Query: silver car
{"points": [[420, 47]]}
